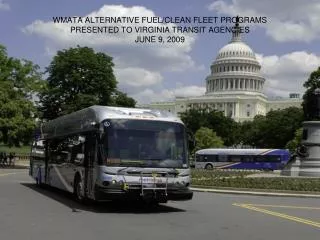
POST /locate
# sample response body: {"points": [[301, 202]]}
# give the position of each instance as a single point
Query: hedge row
{"points": [[238, 180], [218, 173]]}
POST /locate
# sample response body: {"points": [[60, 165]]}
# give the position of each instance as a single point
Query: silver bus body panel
{"points": [[85, 120], [114, 173], [89, 120]]}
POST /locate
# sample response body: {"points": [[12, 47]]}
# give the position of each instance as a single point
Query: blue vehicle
{"points": [[260, 159]]}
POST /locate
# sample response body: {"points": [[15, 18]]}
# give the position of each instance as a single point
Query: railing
{"points": [[22, 157], [19, 160]]}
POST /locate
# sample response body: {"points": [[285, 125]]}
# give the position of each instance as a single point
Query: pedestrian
{"points": [[11, 158], [5, 157], [1, 159]]}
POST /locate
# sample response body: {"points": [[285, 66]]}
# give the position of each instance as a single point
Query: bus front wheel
{"points": [[209, 167], [78, 190]]}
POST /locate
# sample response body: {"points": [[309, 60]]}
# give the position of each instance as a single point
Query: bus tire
{"points": [[78, 190], [209, 166]]}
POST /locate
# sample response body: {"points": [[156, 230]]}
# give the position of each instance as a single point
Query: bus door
{"points": [[90, 165], [57, 161], [74, 146]]}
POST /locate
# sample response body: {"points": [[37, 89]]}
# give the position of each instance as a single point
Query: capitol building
{"points": [[234, 86]]}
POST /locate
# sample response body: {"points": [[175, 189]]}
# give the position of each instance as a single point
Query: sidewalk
{"points": [[256, 193], [19, 164]]}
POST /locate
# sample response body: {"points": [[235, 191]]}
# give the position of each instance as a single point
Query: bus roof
{"points": [[86, 119], [232, 151]]}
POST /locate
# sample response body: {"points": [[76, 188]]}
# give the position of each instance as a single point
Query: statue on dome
{"points": [[236, 30]]}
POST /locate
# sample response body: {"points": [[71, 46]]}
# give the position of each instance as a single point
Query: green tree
{"points": [[122, 100], [252, 132], [20, 81], [273, 130], [309, 103], [206, 138], [78, 78], [281, 126], [293, 144], [225, 127], [194, 119]]}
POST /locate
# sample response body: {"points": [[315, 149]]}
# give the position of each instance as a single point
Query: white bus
{"points": [[109, 153], [259, 159]]}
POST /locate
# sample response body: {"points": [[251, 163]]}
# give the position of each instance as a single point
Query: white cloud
{"points": [[149, 95], [138, 67], [189, 91], [287, 73], [137, 77], [159, 56], [288, 20], [4, 6]]}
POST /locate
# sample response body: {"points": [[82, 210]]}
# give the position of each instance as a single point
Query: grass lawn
{"points": [[17, 150]]}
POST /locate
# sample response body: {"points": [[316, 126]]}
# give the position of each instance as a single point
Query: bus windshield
{"points": [[144, 143]]}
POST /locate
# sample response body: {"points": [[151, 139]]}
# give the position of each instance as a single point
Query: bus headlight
{"points": [[113, 182], [182, 183]]}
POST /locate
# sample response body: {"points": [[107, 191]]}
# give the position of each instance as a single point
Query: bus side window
{"points": [[260, 159], [304, 134], [54, 152], [212, 158], [234, 158], [222, 158], [247, 158], [77, 149], [274, 158], [199, 158]]}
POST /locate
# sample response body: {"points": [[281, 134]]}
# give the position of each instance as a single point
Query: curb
{"points": [[16, 167], [273, 194]]}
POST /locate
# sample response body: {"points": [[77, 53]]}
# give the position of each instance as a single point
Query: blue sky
{"points": [[287, 46]]}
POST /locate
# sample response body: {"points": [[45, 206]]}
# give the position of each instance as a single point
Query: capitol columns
{"points": [[237, 109]]}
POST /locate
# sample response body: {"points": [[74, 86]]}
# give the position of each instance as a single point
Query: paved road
{"points": [[29, 213]]}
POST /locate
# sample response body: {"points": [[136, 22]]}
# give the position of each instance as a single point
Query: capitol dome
{"points": [[235, 69], [236, 49]]}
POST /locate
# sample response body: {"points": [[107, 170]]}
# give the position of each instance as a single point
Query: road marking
{"points": [[277, 214], [5, 174], [283, 206]]}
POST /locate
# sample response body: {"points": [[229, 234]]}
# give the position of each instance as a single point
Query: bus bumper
{"points": [[106, 194]]}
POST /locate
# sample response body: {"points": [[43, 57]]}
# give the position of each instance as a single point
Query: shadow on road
{"points": [[66, 198]]}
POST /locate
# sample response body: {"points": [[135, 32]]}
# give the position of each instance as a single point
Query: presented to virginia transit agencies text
{"points": [[153, 29]]}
